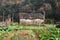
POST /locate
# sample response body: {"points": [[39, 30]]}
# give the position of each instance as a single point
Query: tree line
{"points": [[30, 6]]}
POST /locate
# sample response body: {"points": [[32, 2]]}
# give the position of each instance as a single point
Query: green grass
{"points": [[49, 33], [45, 33], [25, 27]]}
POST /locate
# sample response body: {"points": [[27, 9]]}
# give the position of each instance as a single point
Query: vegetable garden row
{"points": [[45, 33]]}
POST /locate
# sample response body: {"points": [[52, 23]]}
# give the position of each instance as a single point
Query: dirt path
{"points": [[36, 35], [9, 36], [23, 34]]}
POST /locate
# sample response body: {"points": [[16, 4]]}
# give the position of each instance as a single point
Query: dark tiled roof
{"points": [[33, 15]]}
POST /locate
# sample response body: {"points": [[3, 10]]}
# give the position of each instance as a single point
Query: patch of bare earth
{"points": [[24, 34], [36, 35], [9, 36]]}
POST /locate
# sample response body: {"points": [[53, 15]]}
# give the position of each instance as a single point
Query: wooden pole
{"points": [[3, 16]]}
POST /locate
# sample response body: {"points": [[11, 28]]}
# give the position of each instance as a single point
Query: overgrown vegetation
{"points": [[45, 33]]}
